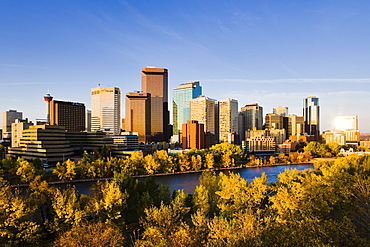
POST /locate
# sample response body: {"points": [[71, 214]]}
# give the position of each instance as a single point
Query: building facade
{"points": [[346, 123], [106, 110], [71, 115], [250, 117], [8, 117], [17, 129], [138, 115], [155, 82], [311, 114], [296, 126], [202, 109], [228, 118], [182, 95], [280, 110], [193, 135]]}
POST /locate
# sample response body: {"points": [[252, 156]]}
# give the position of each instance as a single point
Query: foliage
{"points": [[92, 235], [26, 170], [66, 170]]}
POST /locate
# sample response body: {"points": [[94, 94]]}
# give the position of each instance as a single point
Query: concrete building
{"points": [[71, 115], [228, 118], [193, 135], [202, 109], [138, 115], [46, 142], [250, 117], [8, 117], [182, 95], [17, 130], [335, 136], [260, 141], [280, 110], [155, 82], [106, 110], [311, 115], [128, 139]]}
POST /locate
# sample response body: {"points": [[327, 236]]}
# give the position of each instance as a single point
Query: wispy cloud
{"points": [[26, 83], [279, 81], [22, 66]]}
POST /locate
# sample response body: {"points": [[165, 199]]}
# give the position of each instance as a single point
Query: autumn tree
{"points": [[65, 170], [91, 234], [25, 170]]}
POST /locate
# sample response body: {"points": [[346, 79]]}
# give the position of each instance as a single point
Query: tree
{"points": [[183, 162], [25, 170], [65, 170], [97, 234], [196, 162], [150, 164], [210, 161], [108, 202], [165, 161], [68, 209]]}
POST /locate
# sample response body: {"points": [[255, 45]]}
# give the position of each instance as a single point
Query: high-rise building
{"points": [[202, 109], [346, 123], [155, 82], [106, 110], [17, 129], [259, 141], [8, 118], [88, 120], [193, 135], [311, 114], [71, 115], [295, 125], [281, 110], [228, 118], [274, 121], [138, 115], [250, 117], [181, 103]]}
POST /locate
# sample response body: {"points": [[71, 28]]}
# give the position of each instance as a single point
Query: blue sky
{"points": [[270, 52]]}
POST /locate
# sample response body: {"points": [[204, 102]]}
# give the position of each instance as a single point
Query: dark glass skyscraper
{"points": [[311, 114]]}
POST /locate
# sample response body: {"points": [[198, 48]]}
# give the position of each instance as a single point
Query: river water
{"points": [[188, 181]]}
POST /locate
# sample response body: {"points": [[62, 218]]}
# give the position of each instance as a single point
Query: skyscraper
{"points": [[228, 118], [311, 115], [250, 117], [155, 82], [138, 116], [71, 115], [281, 110], [202, 109], [8, 118], [181, 103], [106, 109]]}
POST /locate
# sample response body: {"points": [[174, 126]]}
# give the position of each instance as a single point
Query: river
{"points": [[188, 181]]}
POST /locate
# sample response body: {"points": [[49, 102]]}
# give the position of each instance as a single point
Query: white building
{"points": [[202, 109], [106, 110], [17, 129]]}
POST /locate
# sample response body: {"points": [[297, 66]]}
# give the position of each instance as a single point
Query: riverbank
{"points": [[90, 180]]}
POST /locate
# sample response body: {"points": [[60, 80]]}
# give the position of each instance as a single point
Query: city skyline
{"points": [[271, 53]]}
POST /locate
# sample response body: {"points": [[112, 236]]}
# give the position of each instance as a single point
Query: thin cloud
{"points": [[279, 81], [22, 66], [26, 83]]}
